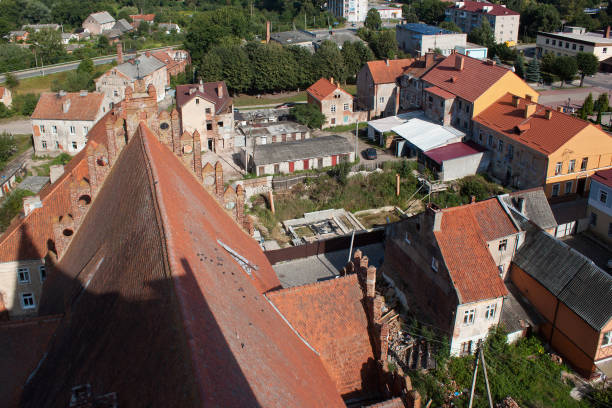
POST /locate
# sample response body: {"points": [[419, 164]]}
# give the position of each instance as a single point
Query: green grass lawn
{"points": [[269, 99]]}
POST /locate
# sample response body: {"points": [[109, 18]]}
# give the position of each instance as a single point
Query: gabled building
{"points": [[176, 61], [209, 109], [334, 102], [97, 23], [459, 88], [450, 264], [533, 145], [600, 205], [418, 39], [533, 205], [142, 18], [62, 120], [469, 15], [411, 86]]}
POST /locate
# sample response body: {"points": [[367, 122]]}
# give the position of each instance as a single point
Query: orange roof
{"points": [[462, 239], [323, 88], [535, 132], [385, 74], [142, 17], [2, 91], [473, 80], [440, 92], [51, 106], [330, 315], [142, 263]]}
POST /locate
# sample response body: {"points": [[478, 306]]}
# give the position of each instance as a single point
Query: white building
{"points": [[354, 11], [62, 120], [418, 39], [470, 14], [390, 12], [574, 40]]}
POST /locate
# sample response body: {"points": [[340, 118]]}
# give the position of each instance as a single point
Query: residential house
{"points": [[473, 50], [533, 145], [66, 37], [37, 27], [573, 40], [114, 34], [176, 61], [140, 18], [411, 86], [378, 89], [388, 12], [114, 82], [6, 96], [97, 23], [459, 88], [455, 160], [18, 36], [418, 39], [207, 108], [354, 11], [470, 14], [168, 28], [334, 102], [61, 121], [573, 296], [450, 264], [122, 265], [600, 205], [315, 153]]}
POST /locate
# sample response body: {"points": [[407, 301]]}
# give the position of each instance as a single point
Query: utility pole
{"points": [[480, 356], [484, 370], [474, 375], [356, 138]]}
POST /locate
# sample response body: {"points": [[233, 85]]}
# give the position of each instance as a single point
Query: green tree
{"points": [[588, 64], [384, 44], [8, 147], [483, 34], [408, 15], [12, 205], [36, 12], [449, 25], [565, 68], [230, 64], [11, 81], [533, 71], [519, 66], [548, 62], [308, 115], [86, 66], [330, 62], [48, 45], [603, 103], [24, 104], [355, 55], [373, 20], [588, 105], [430, 11], [539, 17], [13, 57]]}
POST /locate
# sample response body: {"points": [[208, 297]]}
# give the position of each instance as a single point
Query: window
{"points": [[209, 125], [434, 264], [555, 189], [115, 93], [332, 108], [74, 145], [53, 129], [460, 105], [568, 187], [593, 220], [607, 339], [603, 196], [510, 152], [610, 229], [566, 44], [467, 108], [572, 166], [346, 106], [554, 42], [43, 273], [490, 140], [381, 99], [42, 128], [503, 245], [605, 50], [558, 167], [220, 124], [468, 316], [466, 348], [56, 144], [44, 144], [500, 145], [490, 312], [581, 48], [27, 301], [207, 110], [85, 129], [583, 166], [573, 46], [197, 101], [547, 41], [23, 275]]}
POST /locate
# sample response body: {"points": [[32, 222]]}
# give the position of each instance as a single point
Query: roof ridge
{"points": [[328, 282]]}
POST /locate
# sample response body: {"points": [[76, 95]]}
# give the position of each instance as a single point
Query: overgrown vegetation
{"points": [[12, 146], [12, 205], [523, 371], [44, 169]]}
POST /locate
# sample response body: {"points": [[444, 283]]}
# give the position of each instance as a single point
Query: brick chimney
{"points": [[529, 109], [459, 60], [548, 114], [387, 61], [331, 79], [429, 59], [515, 101], [119, 53], [200, 86], [371, 281], [268, 32], [220, 90], [607, 32]]}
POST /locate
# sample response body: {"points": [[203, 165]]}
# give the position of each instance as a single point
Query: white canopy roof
{"points": [[387, 124], [426, 135]]}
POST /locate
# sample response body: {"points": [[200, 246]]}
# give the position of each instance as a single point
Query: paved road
{"points": [[16, 164], [53, 69], [17, 127]]}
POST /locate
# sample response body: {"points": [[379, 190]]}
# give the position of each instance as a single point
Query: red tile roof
{"points": [[142, 17], [51, 106], [331, 317], [151, 290], [535, 132], [453, 151], [604, 177], [323, 88], [440, 92], [462, 239], [168, 60], [477, 6], [385, 74], [207, 91], [471, 82]]}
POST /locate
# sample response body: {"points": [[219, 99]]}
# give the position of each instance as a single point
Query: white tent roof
{"points": [[387, 124], [426, 135]]}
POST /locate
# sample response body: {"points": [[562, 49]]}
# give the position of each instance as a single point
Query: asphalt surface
{"points": [[16, 127]]}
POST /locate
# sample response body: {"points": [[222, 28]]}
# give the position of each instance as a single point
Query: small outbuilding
{"points": [[456, 160]]}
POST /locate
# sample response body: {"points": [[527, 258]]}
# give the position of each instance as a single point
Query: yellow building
{"points": [[532, 145]]}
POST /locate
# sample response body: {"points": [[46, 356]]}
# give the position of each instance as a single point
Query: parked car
{"points": [[370, 154]]}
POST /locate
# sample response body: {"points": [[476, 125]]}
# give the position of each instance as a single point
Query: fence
{"points": [[287, 182], [323, 246]]}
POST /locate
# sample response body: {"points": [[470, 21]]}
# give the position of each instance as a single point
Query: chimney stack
{"points": [[429, 59], [472, 199], [607, 32], [515, 101], [521, 205], [548, 114], [220, 90], [528, 98], [459, 62], [529, 109], [267, 31], [437, 216], [387, 61], [331, 79], [119, 53], [200, 86]]}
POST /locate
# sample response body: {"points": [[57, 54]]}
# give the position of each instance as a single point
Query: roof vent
{"points": [[83, 92], [61, 93], [66, 105], [530, 109]]}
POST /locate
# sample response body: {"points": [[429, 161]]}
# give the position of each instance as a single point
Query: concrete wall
{"points": [[11, 289], [479, 329], [94, 28], [461, 167], [369, 95], [603, 221]]}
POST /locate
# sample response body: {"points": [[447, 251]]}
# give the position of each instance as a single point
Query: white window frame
{"points": [[85, 129], [603, 196], [381, 99], [491, 311], [42, 272], [346, 106], [332, 108], [558, 168], [503, 245], [22, 299], [607, 339], [568, 186], [42, 128], [572, 166], [54, 129], [23, 275], [469, 317], [72, 130], [555, 186], [44, 144]]}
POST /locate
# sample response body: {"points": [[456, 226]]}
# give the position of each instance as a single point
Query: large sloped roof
{"points": [[146, 65], [102, 17], [330, 315], [80, 106], [323, 88], [388, 71], [206, 90], [160, 312], [568, 275], [536, 206]]}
